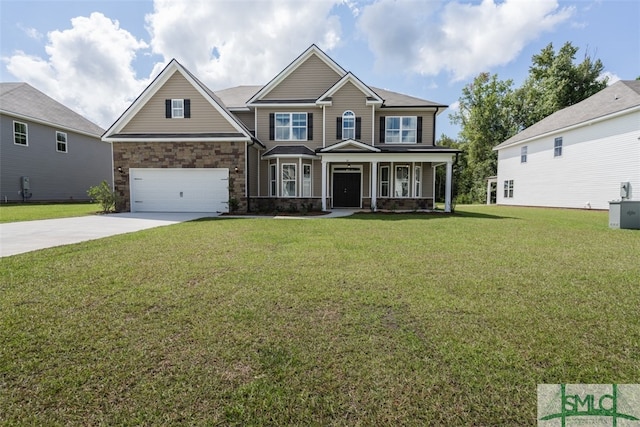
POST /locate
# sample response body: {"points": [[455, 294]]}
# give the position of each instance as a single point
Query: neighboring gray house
{"points": [[47, 151], [579, 157]]}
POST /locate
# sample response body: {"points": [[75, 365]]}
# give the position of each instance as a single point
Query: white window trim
{"points": [[396, 182], [400, 141], [557, 147], [524, 154], [26, 134], [352, 130], [388, 181], [305, 179], [508, 189], [417, 181], [295, 179], [66, 150], [291, 127], [175, 109], [273, 180]]}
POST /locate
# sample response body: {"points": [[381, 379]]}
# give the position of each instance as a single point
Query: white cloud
{"points": [[459, 38], [612, 77], [88, 68], [30, 32], [245, 42]]}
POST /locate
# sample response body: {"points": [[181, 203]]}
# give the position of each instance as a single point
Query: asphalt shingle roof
{"points": [[24, 100], [618, 97]]}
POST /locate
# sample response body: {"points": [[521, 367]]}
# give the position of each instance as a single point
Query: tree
{"points": [[486, 118], [555, 82]]}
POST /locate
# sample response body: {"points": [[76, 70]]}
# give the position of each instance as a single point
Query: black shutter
{"points": [[338, 128], [187, 108], [167, 108], [272, 126], [382, 129], [358, 128], [309, 126], [419, 130]]}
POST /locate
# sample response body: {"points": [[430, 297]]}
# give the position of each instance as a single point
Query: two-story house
{"points": [[49, 152], [314, 136]]}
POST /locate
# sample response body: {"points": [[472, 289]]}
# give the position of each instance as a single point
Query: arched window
{"points": [[348, 125]]}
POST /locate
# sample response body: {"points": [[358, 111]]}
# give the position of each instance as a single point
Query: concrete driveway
{"points": [[27, 236]]}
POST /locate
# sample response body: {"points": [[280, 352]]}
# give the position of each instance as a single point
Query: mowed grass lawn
{"points": [[367, 320], [35, 211]]}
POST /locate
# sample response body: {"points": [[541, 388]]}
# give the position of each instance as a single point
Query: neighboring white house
{"points": [[578, 156]]}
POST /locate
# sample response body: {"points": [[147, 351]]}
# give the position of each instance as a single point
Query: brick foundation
{"points": [[132, 154]]}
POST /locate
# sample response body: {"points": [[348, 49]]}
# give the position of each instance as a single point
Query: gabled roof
{"points": [[26, 102], [289, 150], [620, 97], [349, 145], [312, 50], [171, 68], [399, 100], [372, 97]]}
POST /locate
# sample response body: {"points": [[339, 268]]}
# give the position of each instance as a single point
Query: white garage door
{"points": [[179, 190]]}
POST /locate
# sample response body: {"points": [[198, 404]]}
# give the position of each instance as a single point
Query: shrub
{"points": [[104, 195]]}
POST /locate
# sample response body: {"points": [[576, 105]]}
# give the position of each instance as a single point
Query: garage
{"points": [[179, 190]]}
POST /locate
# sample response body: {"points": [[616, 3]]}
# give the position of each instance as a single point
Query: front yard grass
{"points": [[35, 211], [367, 320]]}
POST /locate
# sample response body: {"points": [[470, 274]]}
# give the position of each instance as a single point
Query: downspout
{"points": [[247, 180], [433, 137]]}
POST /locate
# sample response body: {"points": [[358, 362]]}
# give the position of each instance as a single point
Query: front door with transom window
{"points": [[346, 189]]}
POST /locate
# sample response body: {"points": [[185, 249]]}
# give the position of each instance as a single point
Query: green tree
{"points": [[461, 176], [555, 81], [486, 118]]}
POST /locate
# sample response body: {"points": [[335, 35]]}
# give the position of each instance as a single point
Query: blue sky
{"points": [[97, 56]]}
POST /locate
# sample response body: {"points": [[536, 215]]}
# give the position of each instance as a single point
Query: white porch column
{"points": [[488, 191], [324, 185], [374, 185], [447, 191]]}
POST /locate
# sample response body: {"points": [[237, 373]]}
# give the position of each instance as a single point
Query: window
{"points": [[291, 126], [289, 180], [177, 108], [20, 133], [384, 181], [523, 154], [61, 142], [417, 172], [557, 147], [348, 125], [273, 187], [402, 181], [401, 129], [508, 189], [306, 180]]}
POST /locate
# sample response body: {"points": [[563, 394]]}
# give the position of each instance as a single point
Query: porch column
{"points": [[488, 191], [374, 185], [324, 185], [447, 191]]}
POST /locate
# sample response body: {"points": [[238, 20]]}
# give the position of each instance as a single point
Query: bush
{"points": [[104, 195]]}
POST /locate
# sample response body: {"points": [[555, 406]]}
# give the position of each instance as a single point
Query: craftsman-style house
{"points": [[315, 137]]}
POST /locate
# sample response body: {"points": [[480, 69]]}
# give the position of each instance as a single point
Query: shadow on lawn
{"points": [[401, 216]]}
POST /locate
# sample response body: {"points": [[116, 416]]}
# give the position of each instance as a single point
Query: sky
{"points": [[96, 57]]}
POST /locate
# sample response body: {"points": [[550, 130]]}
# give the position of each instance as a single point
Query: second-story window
{"points": [[20, 133], [348, 125], [177, 108], [401, 129], [291, 126], [61, 142], [557, 147], [523, 154]]}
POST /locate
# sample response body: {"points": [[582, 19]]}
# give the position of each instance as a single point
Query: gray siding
{"points": [[428, 120], [351, 98], [253, 170], [204, 117], [311, 79], [247, 118], [53, 175]]}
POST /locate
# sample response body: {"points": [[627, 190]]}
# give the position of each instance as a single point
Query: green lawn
{"points": [[368, 320], [33, 211]]}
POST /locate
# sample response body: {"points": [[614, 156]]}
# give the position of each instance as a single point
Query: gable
{"points": [[204, 117]]}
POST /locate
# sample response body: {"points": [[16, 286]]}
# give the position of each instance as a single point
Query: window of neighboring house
{"points": [[348, 125], [401, 129], [291, 126], [177, 108], [20, 133], [289, 180], [273, 180], [523, 154], [417, 173], [306, 180], [557, 147], [402, 181], [508, 189], [384, 181], [61, 142]]}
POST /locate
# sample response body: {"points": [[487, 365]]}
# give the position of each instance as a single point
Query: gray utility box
{"points": [[624, 214]]}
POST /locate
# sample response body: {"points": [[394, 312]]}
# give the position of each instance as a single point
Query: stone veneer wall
{"points": [[403, 204], [186, 154]]}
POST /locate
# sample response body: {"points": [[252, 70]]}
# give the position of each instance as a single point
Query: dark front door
{"points": [[346, 190]]}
